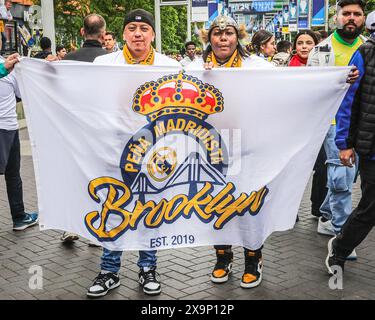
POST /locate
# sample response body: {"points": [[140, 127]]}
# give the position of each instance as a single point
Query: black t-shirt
{"points": [[42, 55]]}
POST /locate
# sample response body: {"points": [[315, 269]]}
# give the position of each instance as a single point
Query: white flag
{"points": [[154, 158]]}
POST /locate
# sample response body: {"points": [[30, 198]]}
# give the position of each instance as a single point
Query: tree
{"points": [[69, 15]]}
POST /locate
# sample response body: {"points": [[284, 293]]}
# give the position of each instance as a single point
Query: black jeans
{"points": [[10, 163], [362, 219], [319, 182]]}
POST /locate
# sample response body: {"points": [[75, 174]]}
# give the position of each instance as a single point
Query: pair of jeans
{"points": [[10, 165], [111, 260], [362, 220], [337, 205]]}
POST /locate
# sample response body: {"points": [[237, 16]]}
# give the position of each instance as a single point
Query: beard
{"points": [[349, 34]]}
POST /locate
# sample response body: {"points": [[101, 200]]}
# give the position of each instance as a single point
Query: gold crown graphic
{"points": [[177, 94]]}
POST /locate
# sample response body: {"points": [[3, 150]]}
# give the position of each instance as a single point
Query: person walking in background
{"points": [[93, 32], [337, 50], [263, 44], [110, 44], [190, 49], [281, 58], [5, 15], [46, 53], [303, 43], [356, 135], [60, 52]]}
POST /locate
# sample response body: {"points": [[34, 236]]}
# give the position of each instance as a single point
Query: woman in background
{"points": [[304, 42]]}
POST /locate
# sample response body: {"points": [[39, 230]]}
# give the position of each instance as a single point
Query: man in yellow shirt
{"points": [[337, 50]]}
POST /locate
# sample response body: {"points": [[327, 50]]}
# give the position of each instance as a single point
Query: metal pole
{"points": [[157, 26], [188, 13], [326, 25], [48, 19]]}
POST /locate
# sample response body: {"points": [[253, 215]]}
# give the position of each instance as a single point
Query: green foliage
{"points": [[112, 11], [370, 6], [173, 21]]}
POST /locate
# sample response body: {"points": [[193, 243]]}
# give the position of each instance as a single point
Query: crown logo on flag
{"points": [[177, 94]]}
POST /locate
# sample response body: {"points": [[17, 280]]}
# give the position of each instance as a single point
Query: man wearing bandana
{"points": [[225, 51], [337, 50], [138, 34]]}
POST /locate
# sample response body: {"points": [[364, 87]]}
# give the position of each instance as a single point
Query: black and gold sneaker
{"points": [[252, 276], [223, 266]]}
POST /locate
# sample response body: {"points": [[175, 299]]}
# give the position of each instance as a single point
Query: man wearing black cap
{"points": [[138, 35]]}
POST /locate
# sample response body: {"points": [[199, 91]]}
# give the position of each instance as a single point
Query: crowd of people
{"points": [[348, 146]]}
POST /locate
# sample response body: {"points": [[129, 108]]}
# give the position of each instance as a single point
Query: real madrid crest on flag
{"points": [[181, 149]]}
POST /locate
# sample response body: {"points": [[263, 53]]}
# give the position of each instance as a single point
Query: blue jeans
{"points": [[111, 260], [337, 205]]}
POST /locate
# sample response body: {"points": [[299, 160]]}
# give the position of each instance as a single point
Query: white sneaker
{"points": [[325, 228], [69, 237]]}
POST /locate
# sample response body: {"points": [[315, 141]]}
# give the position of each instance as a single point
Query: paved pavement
{"points": [[294, 262]]}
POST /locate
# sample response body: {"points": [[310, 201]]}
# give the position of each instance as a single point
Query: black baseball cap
{"points": [[140, 15]]}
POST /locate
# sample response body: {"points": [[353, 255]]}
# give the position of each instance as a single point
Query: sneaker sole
{"points": [[352, 257], [252, 284], [94, 245], [329, 245], [102, 294], [152, 293], [222, 279], [349, 258], [26, 226], [325, 232], [70, 239]]}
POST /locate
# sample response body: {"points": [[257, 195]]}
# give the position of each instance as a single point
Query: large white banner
{"points": [[143, 157]]}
